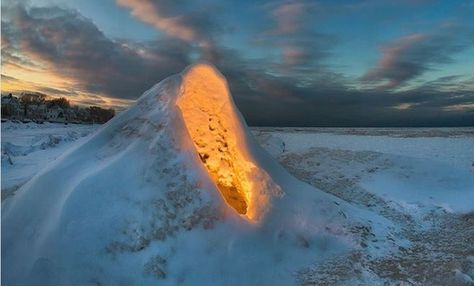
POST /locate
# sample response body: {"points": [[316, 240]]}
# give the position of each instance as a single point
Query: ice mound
{"points": [[172, 191]]}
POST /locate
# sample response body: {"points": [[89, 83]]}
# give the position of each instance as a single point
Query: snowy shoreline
{"points": [[33, 145], [402, 132], [420, 179]]}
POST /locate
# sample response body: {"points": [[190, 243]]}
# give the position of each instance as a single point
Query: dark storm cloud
{"points": [[74, 47], [9, 54], [329, 100], [442, 93], [320, 105], [411, 56]]}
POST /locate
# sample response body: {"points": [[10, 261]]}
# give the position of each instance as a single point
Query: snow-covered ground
{"points": [[421, 179], [436, 169], [175, 191], [27, 148]]}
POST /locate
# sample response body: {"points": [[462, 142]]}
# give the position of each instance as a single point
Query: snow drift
{"points": [[173, 190]]}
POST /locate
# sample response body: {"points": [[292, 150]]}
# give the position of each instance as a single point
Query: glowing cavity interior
{"points": [[215, 129]]}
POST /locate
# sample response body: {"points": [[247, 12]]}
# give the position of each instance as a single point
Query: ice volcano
{"points": [[173, 191]]}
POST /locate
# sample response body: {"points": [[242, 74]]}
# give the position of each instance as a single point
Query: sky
{"points": [[288, 63]]}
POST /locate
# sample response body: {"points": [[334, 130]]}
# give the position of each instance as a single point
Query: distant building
{"points": [[53, 110], [11, 107], [56, 114]]}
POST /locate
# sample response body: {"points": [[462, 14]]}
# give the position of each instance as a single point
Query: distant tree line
{"points": [[35, 106]]}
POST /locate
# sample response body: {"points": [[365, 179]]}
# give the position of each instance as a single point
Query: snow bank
{"points": [[272, 144], [140, 202], [28, 148]]}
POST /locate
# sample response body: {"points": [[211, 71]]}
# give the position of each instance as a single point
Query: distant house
{"points": [[11, 107], [37, 111], [37, 108], [56, 114]]}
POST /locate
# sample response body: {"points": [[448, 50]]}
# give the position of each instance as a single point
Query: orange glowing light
{"points": [[214, 126]]}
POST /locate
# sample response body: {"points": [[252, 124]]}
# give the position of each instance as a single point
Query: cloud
{"points": [[296, 48], [289, 17], [336, 105], [71, 46], [410, 56], [188, 21], [150, 12]]}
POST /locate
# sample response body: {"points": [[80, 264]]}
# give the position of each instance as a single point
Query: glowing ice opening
{"points": [[215, 128]]}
